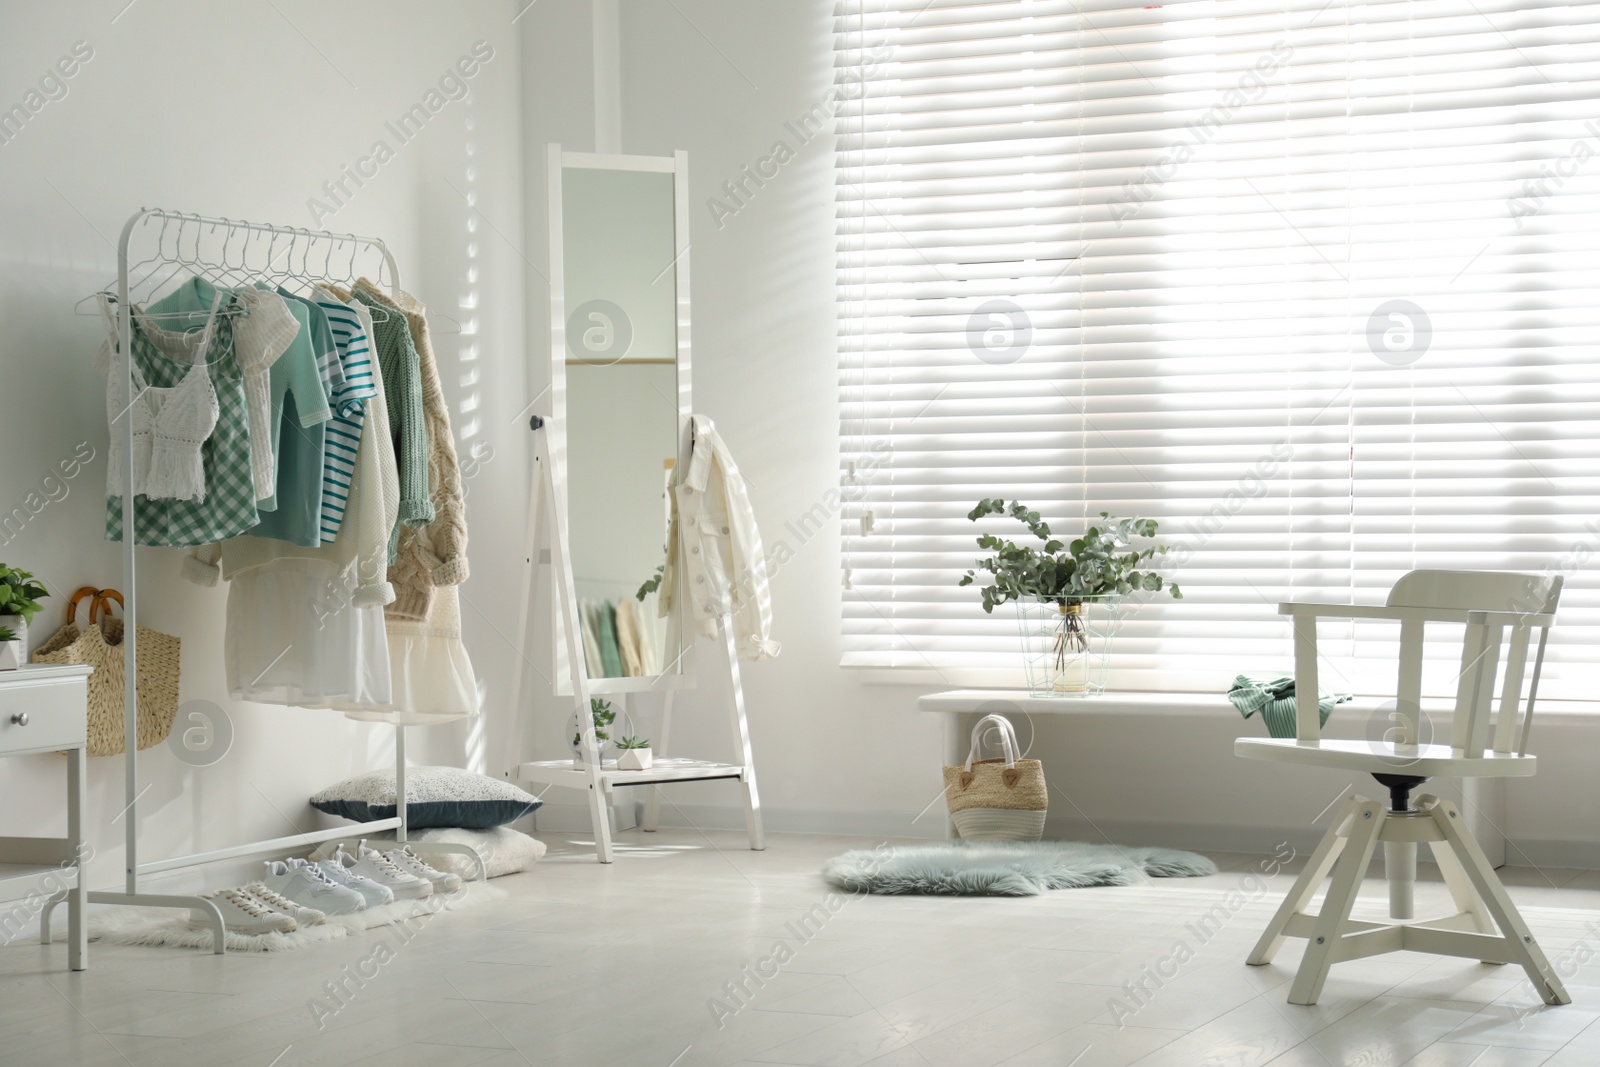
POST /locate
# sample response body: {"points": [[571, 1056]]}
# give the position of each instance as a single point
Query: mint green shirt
{"points": [[300, 410]]}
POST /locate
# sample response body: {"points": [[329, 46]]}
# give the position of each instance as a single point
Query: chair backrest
{"points": [[1489, 591], [1477, 591]]}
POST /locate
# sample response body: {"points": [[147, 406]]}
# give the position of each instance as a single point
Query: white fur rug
{"points": [[1005, 868], [170, 926]]}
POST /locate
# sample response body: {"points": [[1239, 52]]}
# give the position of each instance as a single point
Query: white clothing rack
{"points": [[301, 240]]}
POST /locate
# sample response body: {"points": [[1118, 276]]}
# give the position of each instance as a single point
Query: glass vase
{"points": [[1066, 645]]}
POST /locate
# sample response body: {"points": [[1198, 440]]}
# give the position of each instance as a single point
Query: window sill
{"points": [[1123, 703]]}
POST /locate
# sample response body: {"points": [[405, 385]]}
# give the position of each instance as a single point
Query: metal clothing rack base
{"points": [[130, 894]]}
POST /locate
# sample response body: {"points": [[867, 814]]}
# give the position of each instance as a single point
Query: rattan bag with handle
{"points": [[100, 646], [1000, 799], [70, 632]]}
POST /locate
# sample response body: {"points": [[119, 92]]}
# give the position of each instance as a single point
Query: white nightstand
{"points": [[45, 709]]}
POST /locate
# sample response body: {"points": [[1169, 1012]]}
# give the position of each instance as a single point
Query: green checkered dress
{"points": [[229, 508]]}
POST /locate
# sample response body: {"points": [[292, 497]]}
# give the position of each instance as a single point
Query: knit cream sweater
{"points": [[435, 554]]}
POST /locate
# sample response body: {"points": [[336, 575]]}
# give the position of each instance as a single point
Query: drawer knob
{"points": [[20, 718]]}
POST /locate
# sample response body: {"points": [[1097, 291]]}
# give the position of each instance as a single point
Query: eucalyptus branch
{"points": [[1105, 561], [600, 711]]}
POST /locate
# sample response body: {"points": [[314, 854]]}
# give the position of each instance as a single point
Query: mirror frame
{"points": [[680, 642]]}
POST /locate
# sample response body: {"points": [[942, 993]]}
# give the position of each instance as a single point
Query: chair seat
{"points": [[1382, 757]]}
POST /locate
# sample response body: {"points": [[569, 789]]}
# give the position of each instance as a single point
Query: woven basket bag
{"points": [[100, 646], [1000, 799]]}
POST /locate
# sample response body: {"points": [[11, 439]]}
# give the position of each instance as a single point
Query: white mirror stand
{"points": [[606, 456]]}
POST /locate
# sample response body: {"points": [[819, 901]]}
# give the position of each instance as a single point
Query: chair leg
{"points": [[1498, 904], [1365, 822], [1305, 887], [1466, 898]]}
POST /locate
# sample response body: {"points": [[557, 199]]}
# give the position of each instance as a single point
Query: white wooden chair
{"points": [[1501, 611]]}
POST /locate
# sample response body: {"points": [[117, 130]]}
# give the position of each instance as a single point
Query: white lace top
{"points": [[169, 424]]}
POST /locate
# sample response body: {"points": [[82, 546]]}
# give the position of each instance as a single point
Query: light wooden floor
{"points": [[590, 965]]}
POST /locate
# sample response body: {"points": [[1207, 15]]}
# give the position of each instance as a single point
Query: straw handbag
{"points": [[1000, 799], [100, 646]]}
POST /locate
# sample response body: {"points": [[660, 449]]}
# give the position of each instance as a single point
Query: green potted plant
{"points": [[1053, 584], [603, 715], [635, 755], [11, 651], [19, 601]]}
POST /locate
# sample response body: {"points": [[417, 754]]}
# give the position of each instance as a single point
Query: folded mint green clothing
{"points": [[610, 652], [1276, 702]]}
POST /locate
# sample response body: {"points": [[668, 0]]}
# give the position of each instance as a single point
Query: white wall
{"points": [[245, 112], [721, 79]]}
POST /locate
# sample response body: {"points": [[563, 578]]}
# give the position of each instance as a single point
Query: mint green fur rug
{"points": [[1005, 868]]}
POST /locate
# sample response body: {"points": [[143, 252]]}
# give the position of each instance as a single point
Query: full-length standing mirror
{"points": [[607, 464], [620, 402]]}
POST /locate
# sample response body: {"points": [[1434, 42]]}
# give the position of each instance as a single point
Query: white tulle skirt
{"points": [[295, 638], [430, 672]]}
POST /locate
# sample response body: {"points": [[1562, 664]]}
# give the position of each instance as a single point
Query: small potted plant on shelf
{"points": [[11, 651], [604, 716], [636, 754], [1066, 651], [19, 600]]}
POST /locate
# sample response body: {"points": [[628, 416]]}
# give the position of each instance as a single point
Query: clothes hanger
{"points": [[291, 278], [454, 327], [109, 289], [281, 276], [348, 278], [307, 276], [234, 277], [271, 273], [377, 312], [327, 260], [304, 275], [159, 256], [173, 264], [163, 266], [156, 282], [80, 309], [335, 242]]}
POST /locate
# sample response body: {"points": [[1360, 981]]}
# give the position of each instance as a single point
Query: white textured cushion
{"points": [[435, 796]]}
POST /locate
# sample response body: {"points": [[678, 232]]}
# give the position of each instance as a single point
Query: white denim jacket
{"points": [[723, 567]]}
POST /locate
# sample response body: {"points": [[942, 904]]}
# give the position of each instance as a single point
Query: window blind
{"points": [[1313, 283]]}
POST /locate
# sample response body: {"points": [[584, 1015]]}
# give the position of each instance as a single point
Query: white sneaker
{"points": [[374, 894], [277, 902], [309, 885], [370, 863], [244, 914], [412, 864]]}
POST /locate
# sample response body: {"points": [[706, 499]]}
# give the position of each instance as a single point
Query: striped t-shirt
{"points": [[355, 386]]}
